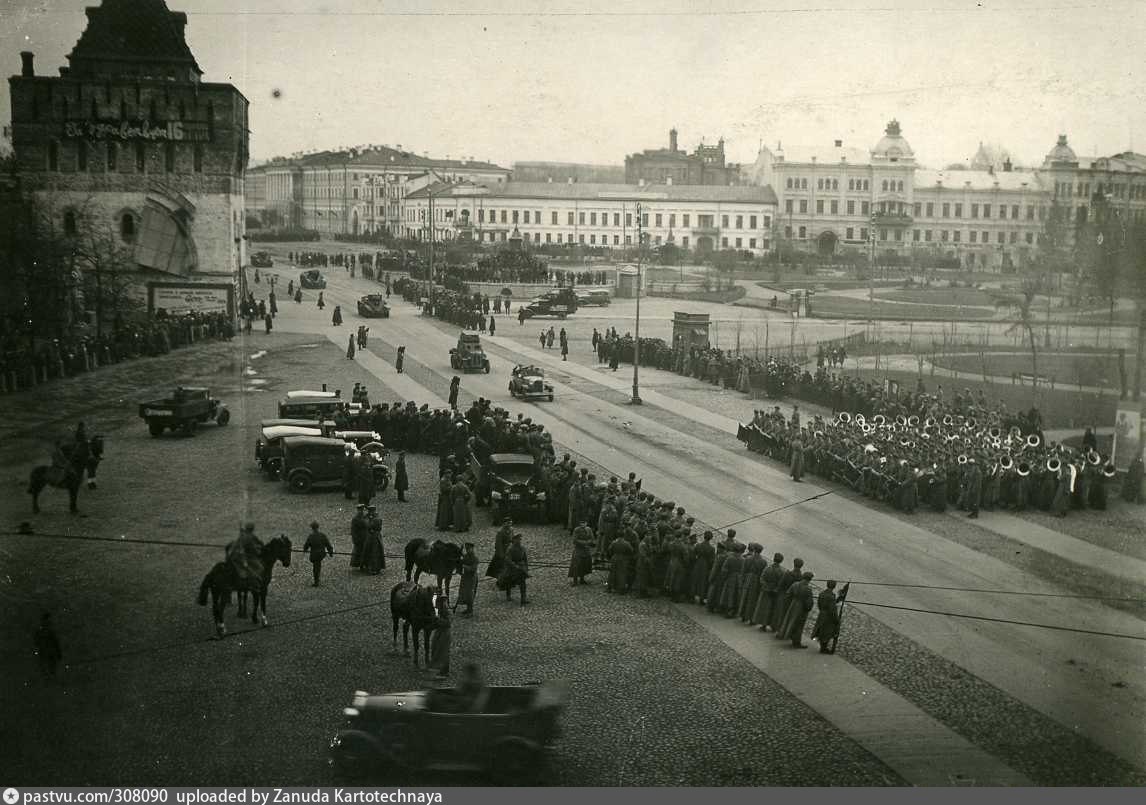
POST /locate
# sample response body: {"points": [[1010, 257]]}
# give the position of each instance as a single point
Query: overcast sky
{"points": [[593, 80]]}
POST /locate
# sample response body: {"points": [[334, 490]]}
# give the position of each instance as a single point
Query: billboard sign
{"points": [[179, 298]]}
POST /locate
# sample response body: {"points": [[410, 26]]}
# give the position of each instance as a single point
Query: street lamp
{"points": [[637, 343]]}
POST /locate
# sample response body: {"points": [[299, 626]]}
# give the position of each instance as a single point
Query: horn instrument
{"points": [[1024, 469], [1053, 464], [1033, 440], [913, 421], [1093, 458], [1007, 462], [1109, 470], [963, 459], [995, 432]]}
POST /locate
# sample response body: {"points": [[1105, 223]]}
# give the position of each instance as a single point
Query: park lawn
{"points": [[940, 296], [843, 307], [1087, 369], [1101, 317], [1060, 408]]}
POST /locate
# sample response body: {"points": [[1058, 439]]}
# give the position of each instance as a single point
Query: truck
{"points": [[183, 411], [559, 302]]}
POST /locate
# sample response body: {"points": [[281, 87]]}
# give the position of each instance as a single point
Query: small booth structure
{"points": [[627, 282], [800, 302], [689, 330]]}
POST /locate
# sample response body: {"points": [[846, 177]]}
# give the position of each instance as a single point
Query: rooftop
{"points": [[979, 180], [380, 156], [603, 192], [137, 31]]}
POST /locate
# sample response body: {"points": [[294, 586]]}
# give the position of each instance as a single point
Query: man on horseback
{"points": [[244, 555]]}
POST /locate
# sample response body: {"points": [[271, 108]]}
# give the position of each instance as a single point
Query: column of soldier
{"points": [[930, 456], [465, 310], [648, 545]]}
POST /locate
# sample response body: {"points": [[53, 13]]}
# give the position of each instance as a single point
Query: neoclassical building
{"points": [[128, 141], [700, 218], [881, 199]]}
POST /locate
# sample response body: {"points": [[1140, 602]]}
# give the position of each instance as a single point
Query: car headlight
{"points": [[495, 495]]}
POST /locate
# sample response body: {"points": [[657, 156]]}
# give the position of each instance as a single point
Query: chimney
{"points": [[1007, 165], [672, 139], [839, 143], [28, 58]]}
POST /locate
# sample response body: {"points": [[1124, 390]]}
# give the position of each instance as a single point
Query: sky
{"points": [[594, 80]]}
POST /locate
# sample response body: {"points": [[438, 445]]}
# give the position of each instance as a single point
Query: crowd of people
{"points": [[24, 364], [921, 450], [645, 546]]}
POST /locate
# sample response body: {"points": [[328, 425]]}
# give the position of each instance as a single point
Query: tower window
{"points": [[70, 222], [127, 227], [140, 157], [169, 157], [112, 156], [82, 155]]}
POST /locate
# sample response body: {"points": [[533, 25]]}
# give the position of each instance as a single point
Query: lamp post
{"points": [[637, 343]]}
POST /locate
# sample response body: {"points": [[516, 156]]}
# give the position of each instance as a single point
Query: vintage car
{"points": [[301, 423], [503, 731], [183, 411], [548, 307], [310, 461], [468, 356], [269, 449], [311, 279], [310, 405], [598, 297], [261, 260], [373, 306], [514, 486], [528, 383]]}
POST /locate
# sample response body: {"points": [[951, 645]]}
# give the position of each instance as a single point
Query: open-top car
{"points": [[528, 383], [503, 731], [468, 355], [312, 279], [514, 485], [373, 306]]}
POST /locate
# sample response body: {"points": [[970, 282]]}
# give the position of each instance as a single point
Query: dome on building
{"points": [[1061, 152], [893, 147]]}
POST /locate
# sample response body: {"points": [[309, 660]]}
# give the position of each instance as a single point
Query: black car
{"points": [[311, 279], [373, 306], [514, 485], [262, 260]]}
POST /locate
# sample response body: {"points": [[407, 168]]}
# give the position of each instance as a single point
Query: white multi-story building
{"points": [[357, 191], [881, 199], [693, 217]]}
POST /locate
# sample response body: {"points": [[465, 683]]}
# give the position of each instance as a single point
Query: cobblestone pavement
{"points": [[655, 699]]}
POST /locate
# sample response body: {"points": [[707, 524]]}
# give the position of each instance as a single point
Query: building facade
{"points": [[128, 140], [705, 166], [695, 218], [881, 201], [355, 191]]}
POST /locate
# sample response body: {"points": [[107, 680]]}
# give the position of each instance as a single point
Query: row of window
{"points": [[127, 221], [925, 235], [794, 183], [1130, 192], [920, 209], [112, 156], [592, 239], [659, 220]]}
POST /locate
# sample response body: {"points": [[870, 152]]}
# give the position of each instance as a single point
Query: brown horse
{"points": [[439, 558], [80, 457], [223, 579], [413, 604]]}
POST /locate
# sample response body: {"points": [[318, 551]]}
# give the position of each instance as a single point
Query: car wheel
{"points": [[485, 368], [155, 428], [354, 757], [300, 481], [550, 398], [224, 417], [514, 762]]}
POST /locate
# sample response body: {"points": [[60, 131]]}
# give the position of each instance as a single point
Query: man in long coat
{"points": [[373, 552], [515, 570], [440, 640], [364, 478], [730, 589], [620, 555], [716, 576], [754, 564], [606, 527], [460, 498], [359, 530], [703, 555], [767, 602], [467, 589], [800, 594], [972, 488], [445, 516], [784, 601], [581, 563], [401, 478], [796, 465], [827, 625]]}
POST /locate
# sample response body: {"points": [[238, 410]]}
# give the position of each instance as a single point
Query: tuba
{"points": [[844, 417], [1024, 469], [904, 442], [879, 420], [995, 432], [913, 421], [1006, 462], [1109, 469], [1093, 458], [1053, 464], [948, 420], [1015, 432], [963, 458], [971, 424], [859, 420], [1033, 441], [901, 420], [929, 422]]}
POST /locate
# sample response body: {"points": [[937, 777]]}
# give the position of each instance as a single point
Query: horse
{"points": [[69, 476], [223, 579], [414, 605], [440, 559]]}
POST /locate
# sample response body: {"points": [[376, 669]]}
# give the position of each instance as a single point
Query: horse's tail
{"points": [[36, 479], [412, 548], [205, 586]]}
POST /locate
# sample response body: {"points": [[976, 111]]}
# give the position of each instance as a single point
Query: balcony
{"points": [[464, 224], [710, 231], [891, 219]]}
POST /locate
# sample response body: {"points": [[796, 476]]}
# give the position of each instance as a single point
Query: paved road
{"points": [[837, 538]]}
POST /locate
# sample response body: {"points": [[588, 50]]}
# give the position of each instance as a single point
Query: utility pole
{"points": [[430, 282], [637, 343]]}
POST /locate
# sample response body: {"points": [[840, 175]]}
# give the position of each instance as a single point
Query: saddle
{"points": [[58, 476]]}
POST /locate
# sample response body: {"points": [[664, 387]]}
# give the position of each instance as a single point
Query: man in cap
{"points": [[767, 602], [827, 626], [784, 599], [802, 600], [318, 546], [501, 544], [359, 530], [703, 555], [467, 590], [515, 570], [244, 554], [754, 565], [373, 552]]}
